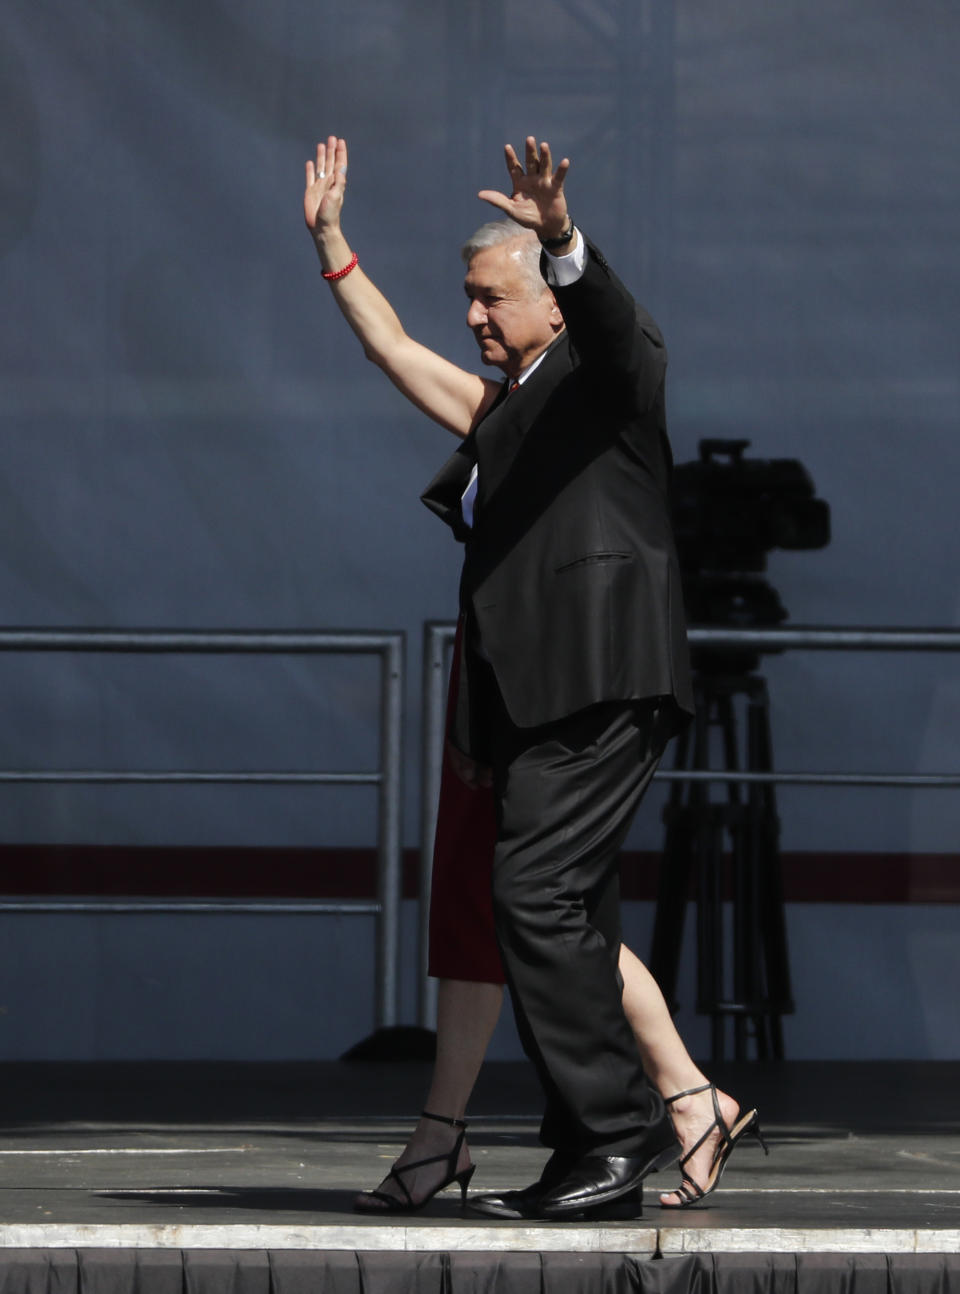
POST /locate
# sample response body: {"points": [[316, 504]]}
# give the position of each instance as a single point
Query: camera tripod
{"points": [[756, 967]]}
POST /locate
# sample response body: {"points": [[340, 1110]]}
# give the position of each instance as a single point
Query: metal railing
{"points": [[389, 646], [438, 637]]}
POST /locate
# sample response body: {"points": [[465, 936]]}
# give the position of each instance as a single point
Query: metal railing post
{"points": [[390, 842], [437, 637]]}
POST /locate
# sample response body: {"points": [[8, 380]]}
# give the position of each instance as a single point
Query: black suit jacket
{"points": [[570, 573]]}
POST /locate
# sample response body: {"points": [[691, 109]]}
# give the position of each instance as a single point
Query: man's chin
{"points": [[492, 355]]}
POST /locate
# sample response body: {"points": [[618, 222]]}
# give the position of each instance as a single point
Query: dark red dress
{"points": [[462, 941]]}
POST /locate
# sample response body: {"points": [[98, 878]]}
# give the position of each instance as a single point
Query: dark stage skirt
{"points": [[462, 941]]}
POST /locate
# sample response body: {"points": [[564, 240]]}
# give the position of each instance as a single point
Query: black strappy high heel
{"points": [[691, 1192], [393, 1204]]}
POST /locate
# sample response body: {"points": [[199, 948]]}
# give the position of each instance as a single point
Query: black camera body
{"points": [[729, 512]]}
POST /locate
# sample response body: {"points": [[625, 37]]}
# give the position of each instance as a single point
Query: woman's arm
{"points": [[448, 394]]}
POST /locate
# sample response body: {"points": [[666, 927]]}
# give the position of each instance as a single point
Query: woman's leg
{"points": [[669, 1067], [467, 1013]]}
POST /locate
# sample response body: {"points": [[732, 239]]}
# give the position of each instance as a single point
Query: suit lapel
{"points": [[494, 442], [502, 432], [442, 496]]}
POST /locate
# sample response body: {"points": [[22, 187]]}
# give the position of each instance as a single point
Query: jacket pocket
{"points": [[592, 559]]}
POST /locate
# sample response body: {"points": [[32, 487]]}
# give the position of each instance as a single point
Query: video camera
{"points": [[728, 513]]}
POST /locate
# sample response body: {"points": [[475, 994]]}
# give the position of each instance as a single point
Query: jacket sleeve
{"points": [[616, 341]]}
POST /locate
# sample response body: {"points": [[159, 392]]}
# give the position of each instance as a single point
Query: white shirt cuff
{"points": [[561, 271]]}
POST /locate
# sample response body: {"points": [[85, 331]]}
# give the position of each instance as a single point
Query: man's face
{"points": [[511, 323]]}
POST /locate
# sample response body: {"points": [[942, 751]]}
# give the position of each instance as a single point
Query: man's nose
{"points": [[476, 315]]}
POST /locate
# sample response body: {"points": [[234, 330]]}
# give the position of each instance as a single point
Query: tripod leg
{"points": [[771, 901], [709, 925], [675, 867], [760, 861], [707, 840], [739, 864]]}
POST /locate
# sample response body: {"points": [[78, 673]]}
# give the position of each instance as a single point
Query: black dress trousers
{"points": [[566, 793]]}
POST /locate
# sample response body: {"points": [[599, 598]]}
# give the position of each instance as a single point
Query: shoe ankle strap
{"points": [[691, 1091], [442, 1118]]}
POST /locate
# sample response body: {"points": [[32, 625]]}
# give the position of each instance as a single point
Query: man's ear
{"points": [[556, 318]]}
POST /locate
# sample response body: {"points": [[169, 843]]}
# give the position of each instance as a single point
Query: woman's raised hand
{"points": [[537, 199], [326, 182]]}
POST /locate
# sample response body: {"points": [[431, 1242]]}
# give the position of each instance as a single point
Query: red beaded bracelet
{"points": [[330, 275]]}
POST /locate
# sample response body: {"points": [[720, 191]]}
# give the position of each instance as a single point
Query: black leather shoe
{"points": [[517, 1205], [506, 1204], [599, 1180], [623, 1208], [523, 1203]]}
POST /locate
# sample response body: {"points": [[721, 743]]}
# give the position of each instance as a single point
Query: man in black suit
{"points": [[574, 671]]}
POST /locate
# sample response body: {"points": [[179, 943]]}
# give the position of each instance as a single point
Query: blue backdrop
{"points": [[190, 436]]}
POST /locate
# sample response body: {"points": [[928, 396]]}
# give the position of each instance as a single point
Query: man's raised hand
{"points": [[326, 181], [537, 200]]}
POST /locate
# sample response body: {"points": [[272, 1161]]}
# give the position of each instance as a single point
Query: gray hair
{"points": [[527, 255]]}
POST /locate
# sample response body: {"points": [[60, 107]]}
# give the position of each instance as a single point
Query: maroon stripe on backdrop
{"points": [[184, 872]]}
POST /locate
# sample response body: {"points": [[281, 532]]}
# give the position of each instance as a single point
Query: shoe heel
{"points": [[463, 1181], [759, 1136]]}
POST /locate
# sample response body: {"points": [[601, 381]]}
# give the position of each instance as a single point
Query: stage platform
{"points": [[216, 1178]]}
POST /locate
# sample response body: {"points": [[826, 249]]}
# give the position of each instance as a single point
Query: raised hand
{"points": [[326, 182], [537, 200]]}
